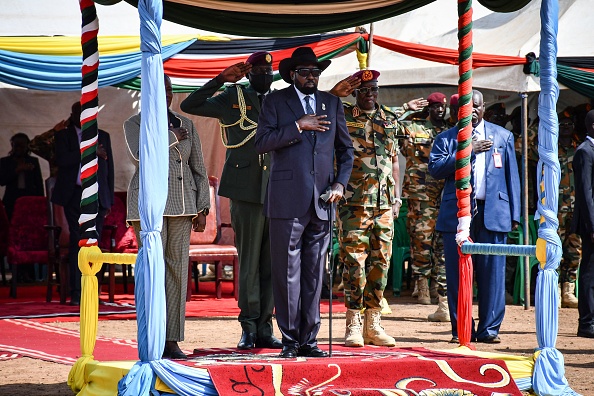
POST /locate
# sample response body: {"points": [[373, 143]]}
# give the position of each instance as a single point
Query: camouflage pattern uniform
{"points": [[365, 221], [423, 193], [572, 244]]}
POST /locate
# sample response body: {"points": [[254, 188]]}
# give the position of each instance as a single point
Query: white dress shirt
{"points": [[312, 100], [480, 165]]}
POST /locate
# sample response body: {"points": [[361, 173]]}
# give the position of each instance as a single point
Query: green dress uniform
{"points": [[243, 181], [366, 222], [423, 194]]}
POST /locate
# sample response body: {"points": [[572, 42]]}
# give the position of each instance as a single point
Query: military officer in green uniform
{"points": [[243, 181], [366, 219], [423, 193], [572, 244]]}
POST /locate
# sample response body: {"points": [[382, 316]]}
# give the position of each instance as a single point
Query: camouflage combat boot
{"points": [[423, 287], [353, 335], [373, 332], [442, 314], [568, 298]]}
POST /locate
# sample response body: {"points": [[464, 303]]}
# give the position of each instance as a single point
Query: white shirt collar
{"points": [[590, 138], [302, 96]]}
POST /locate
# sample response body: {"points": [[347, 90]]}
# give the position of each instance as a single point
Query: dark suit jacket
{"points": [[67, 156], [502, 203], [300, 172], [9, 178], [583, 213], [245, 175]]}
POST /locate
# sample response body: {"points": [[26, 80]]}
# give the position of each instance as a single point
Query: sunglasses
{"points": [[305, 72], [366, 90]]}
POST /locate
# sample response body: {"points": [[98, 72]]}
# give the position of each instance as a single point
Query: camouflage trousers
{"points": [[572, 248], [426, 245], [365, 251]]}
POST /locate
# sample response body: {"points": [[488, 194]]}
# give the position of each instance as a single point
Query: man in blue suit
{"points": [[496, 186], [305, 133]]}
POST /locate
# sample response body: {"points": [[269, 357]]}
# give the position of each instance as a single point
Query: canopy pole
{"points": [[526, 267], [370, 45]]}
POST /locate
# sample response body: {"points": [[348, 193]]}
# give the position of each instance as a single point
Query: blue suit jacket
{"points": [[583, 214], [502, 202], [299, 170]]}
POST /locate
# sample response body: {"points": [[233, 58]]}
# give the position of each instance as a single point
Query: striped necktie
{"points": [[309, 110], [473, 177]]}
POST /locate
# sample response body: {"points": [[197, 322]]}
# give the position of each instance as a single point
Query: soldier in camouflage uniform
{"points": [[572, 244], [423, 193], [366, 220]]}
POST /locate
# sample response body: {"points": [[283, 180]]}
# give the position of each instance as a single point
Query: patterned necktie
{"points": [[309, 110], [473, 177]]}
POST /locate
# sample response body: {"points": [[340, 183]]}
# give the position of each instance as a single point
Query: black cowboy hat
{"points": [[301, 56]]}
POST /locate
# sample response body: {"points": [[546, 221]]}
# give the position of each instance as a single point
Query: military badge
{"points": [[268, 58]]}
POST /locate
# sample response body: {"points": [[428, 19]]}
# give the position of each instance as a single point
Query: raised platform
{"points": [[361, 371]]}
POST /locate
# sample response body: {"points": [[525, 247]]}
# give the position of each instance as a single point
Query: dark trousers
{"points": [[586, 283], [72, 213], [298, 250], [489, 274], [255, 279]]}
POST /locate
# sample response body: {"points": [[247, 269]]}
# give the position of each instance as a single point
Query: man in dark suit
{"points": [[244, 180], [583, 224], [304, 131], [67, 190], [496, 186]]}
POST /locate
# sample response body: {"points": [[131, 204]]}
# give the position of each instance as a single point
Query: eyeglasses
{"points": [[366, 90], [305, 72]]}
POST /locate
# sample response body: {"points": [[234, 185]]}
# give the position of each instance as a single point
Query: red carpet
{"points": [[361, 371], [54, 344], [31, 304]]}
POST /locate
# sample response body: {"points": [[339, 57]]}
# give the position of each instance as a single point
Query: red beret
{"points": [[367, 75], [260, 58], [454, 100], [436, 97]]}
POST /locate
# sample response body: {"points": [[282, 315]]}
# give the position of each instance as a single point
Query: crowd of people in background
{"points": [[300, 161]]}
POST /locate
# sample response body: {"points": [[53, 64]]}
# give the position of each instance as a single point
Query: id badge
{"points": [[497, 159]]}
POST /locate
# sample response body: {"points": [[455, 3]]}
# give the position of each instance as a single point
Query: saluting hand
{"points": [[345, 87], [234, 73], [417, 104]]}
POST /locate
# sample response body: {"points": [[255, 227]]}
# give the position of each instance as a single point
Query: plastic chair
{"points": [[205, 246], [400, 251], [28, 237]]}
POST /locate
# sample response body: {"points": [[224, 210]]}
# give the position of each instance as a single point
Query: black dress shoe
{"points": [[490, 339], [247, 341], [172, 351], [586, 331], [270, 342], [308, 351], [288, 352]]}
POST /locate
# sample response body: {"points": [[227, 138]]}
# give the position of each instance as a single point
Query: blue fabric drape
{"points": [[62, 73], [150, 267], [549, 369]]}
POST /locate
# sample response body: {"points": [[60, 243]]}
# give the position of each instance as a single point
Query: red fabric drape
{"points": [[209, 68], [445, 55]]}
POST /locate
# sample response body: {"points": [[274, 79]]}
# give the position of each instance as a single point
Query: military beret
{"points": [[568, 112], [367, 75], [260, 58], [497, 107], [454, 100], [436, 97]]}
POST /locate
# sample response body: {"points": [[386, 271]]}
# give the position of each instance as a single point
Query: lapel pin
{"points": [[323, 106]]}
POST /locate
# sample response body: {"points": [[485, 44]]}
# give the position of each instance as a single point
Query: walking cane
{"points": [[331, 210]]}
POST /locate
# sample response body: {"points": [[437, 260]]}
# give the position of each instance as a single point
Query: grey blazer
{"points": [[188, 189]]}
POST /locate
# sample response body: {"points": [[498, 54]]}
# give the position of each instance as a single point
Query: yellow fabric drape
{"points": [[70, 45], [90, 261]]}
